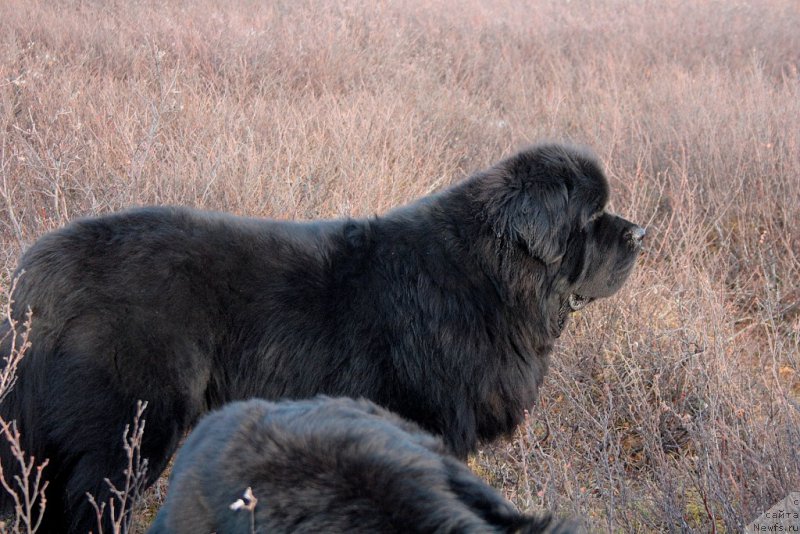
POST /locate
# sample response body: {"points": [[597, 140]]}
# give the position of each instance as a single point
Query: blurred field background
{"points": [[674, 406]]}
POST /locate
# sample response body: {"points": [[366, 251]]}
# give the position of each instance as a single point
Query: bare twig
{"points": [[123, 500]]}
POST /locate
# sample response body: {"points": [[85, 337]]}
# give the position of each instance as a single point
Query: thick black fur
{"points": [[443, 311], [327, 465]]}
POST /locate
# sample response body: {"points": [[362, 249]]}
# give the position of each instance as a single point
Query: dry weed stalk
{"points": [[26, 486], [26, 489], [16, 340], [248, 502], [672, 407], [122, 503]]}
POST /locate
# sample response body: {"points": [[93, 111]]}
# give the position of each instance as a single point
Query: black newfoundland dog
{"points": [[327, 465], [443, 311]]}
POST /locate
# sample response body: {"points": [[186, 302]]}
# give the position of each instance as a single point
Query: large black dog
{"points": [[443, 311], [327, 465]]}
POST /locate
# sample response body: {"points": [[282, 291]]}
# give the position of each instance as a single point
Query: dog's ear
{"points": [[537, 197], [532, 213], [540, 220]]}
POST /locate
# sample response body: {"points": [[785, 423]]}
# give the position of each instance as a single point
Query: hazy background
{"points": [[674, 406]]}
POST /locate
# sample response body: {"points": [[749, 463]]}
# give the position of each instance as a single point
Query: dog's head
{"points": [[546, 209]]}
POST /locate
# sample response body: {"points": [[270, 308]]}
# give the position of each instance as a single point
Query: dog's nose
{"points": [[635, 235]]}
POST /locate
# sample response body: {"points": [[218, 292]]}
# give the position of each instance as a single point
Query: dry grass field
{"points": [[673, 406]]}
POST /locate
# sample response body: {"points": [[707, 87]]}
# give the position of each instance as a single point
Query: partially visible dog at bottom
{"points": [[327, 465]]}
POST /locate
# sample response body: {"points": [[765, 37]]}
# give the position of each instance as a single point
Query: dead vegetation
{"points": [[674, 406]]}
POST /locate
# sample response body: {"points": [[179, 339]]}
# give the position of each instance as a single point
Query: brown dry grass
{"points": [[673, 406]]}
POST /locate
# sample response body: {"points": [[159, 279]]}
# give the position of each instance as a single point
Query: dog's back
{"points": [[326, 465]]}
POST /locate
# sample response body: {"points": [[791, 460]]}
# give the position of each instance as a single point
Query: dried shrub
{"points": [[672, 406]]}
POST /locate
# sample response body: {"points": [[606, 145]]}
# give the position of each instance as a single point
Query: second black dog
{"points": [[326, 465]]}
